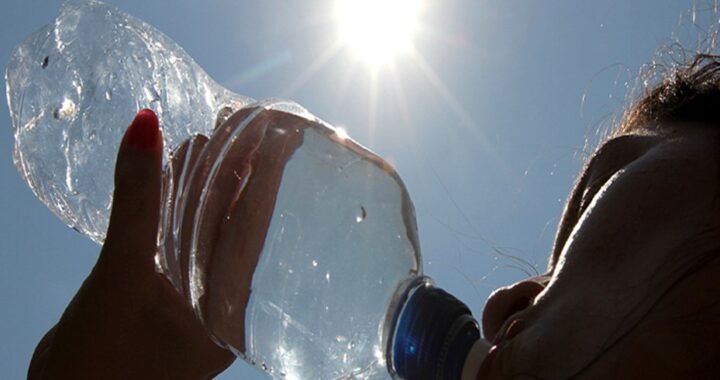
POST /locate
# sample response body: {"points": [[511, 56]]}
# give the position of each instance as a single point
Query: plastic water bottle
{"points": [[296, 246]]}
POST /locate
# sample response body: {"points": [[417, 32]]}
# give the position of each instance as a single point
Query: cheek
{"points": [[628, 319], [678, 338], [634, 242]]}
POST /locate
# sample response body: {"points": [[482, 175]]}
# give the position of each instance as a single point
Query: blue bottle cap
{"points": [[433, 335]]}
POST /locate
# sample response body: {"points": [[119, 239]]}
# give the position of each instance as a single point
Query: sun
{"points": [[377, 30]]}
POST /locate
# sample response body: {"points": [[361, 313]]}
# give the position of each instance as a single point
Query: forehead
{"points": [[665, 128], [637, 139], [667, 140]]}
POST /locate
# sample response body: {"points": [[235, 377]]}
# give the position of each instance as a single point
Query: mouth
{"points": [[488, 367], [510, 329]]}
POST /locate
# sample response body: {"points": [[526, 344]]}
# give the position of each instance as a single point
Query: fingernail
{"points": [[144, 131]]}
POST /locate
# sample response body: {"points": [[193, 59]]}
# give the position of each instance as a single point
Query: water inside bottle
{"points": [[336, 243], [72, 88], [340, 240]]}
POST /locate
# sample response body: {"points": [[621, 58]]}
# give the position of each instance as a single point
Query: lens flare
{"points": [[377, 30]]}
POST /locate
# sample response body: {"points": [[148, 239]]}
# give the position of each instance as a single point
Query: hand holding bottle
{"points": [[127, 321], [227, 203], [295, 246]]}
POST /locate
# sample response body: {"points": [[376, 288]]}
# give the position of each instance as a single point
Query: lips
{"points": [[488, 368]]}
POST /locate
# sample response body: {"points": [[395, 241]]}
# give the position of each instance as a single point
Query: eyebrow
{"points": [[570, 215]]}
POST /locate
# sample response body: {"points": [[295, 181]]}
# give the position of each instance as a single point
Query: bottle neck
{"points": [[433, 335]]}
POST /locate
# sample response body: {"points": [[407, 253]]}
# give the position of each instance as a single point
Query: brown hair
{"points": [[689, 92]]}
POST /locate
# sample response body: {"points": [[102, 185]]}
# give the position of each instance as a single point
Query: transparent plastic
{"points": [[296, 247], [72, 88], [340, 242]]}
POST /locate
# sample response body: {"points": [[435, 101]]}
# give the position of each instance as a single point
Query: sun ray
{"points": [[405, 114], [407, 122], [314, 67], [259, 70], [400, 98], [341, 84], [372, 106], [463, 116], [466, 121]]}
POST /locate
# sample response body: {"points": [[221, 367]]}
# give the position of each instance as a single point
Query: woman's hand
{"points": [[127, 321]]}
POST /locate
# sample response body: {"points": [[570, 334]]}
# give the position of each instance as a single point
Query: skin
{"points": [[239, 207], [632, 289], [127, 321]]}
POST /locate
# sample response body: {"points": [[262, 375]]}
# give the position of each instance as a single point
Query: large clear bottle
{"points": [[296, 246]]}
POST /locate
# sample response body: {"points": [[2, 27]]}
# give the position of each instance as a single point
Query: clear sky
{"points": [[485, 122]]}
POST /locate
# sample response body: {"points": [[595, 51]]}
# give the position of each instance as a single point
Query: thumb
{"points": [[132, 230]]}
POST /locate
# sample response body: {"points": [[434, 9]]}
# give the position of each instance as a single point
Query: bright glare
{"points": [[377, 30], [341, 133]]}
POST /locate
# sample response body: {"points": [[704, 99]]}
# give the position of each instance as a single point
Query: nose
{"points": [[507, 301]]}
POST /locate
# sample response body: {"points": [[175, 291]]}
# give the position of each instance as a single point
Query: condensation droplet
{"points": [[151, 94], [314, 263], [264, 366], [67, 109], [362, 214], [108, 95], [45, 62], [327, 276]]}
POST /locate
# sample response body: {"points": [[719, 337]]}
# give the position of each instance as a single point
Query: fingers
{"points": [[132, 231], [226, 207], [243, 222], [203, 204], [222, 116], [177, 177]]}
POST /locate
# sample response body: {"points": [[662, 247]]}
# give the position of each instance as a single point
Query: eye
{"points": [[592, 188], [611, 157]]}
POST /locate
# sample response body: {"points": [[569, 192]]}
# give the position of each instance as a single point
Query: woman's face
{"points": [[633, 289]]}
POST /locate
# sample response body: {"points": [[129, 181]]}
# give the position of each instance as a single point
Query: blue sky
{"points": [[486, 124]]}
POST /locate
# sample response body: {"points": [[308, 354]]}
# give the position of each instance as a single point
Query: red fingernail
{"points": [[144, 132]]}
